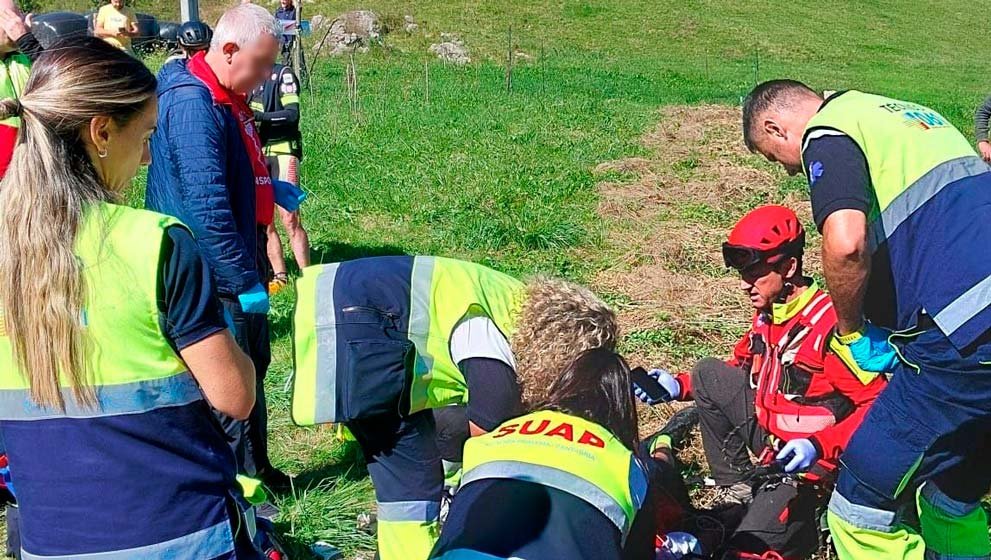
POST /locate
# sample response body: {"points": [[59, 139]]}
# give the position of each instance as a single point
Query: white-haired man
{"points": [[209, 171]]}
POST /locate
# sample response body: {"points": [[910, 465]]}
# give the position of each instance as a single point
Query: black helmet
{"points": [[195, 35]]}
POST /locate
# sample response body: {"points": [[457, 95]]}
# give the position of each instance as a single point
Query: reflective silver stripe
{"points": [[465, 554], [819, 133], [325, 321], [207, 543], [875, 235], [812, 305], [933, 555], [862, 517], [928, 186], [422, 511], [554, 478], [112, 400], [932, 494], [421, 293], [964, 308]]}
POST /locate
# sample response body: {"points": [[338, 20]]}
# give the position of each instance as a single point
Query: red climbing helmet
{"points": [[766, 234]]}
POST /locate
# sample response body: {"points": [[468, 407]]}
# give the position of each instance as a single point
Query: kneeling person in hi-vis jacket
{"points": [[380, 342], [564, 481]]}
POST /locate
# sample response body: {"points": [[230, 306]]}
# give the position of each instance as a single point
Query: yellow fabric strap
{"points": [[842, 351], [848, 339], [857, 543], [406, 540], [252, 489], [783, 312]]}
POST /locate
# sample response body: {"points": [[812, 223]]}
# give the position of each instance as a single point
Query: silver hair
{"points": [[243, 25]]}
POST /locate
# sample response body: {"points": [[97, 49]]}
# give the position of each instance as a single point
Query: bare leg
{"points": [[298, 238], [274, 249]]}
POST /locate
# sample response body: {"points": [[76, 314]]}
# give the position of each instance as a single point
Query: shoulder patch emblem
{"points": [[816, 169]]}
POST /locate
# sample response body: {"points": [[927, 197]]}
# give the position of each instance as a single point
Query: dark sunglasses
{"points": [[742, 258]]}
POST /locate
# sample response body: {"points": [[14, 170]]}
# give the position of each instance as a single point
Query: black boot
{"points": [[677, 429], [276, 480]]}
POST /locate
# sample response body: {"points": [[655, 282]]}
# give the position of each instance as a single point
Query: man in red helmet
{"points": [[782, 395]]}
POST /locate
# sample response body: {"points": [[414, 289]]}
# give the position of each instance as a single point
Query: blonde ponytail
{"points": [[43, 198]]}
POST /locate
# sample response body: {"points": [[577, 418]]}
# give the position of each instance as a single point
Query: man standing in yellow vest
{"points": [[116, 24], [381, 342], [904, 206]]}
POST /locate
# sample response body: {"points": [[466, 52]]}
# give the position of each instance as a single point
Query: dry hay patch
{"points": [[667, 216], [666, 224]]}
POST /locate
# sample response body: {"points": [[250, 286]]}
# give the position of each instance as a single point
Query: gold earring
{"points": [[102, 153]]}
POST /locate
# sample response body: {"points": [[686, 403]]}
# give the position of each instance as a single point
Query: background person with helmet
{"points": [[111, 351], [782, 395], [192, 37], [381, 341], [904, 206], [276, 107], [563, 481]]}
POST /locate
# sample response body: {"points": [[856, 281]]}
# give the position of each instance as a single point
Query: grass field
{"points": [[440, 159]]}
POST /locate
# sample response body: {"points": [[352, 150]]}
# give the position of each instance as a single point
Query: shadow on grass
{"points": [[281, 316], [349, 466], [337, 252]]}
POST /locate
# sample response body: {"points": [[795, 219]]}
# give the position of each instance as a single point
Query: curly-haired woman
{"points": [[382, 342]]}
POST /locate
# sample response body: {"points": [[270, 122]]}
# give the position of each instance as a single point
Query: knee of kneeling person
{"points": [[704, 372]]}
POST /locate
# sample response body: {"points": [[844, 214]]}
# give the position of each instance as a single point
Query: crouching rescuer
{"points": [[782, 396], [381, 342]]}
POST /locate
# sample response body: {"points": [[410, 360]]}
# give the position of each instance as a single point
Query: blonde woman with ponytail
{"points": [[112, 345]]}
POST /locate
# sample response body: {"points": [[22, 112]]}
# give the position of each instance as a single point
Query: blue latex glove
{"points": [[872, 350], [679, 545], [867, 348], [8, 481], [802, 452], [666, 381], [255, 300], [288, 195]]}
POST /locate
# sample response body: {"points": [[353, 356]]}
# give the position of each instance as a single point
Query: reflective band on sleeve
{"points": [[424, 511], [927, 187], [112, 400], [553, 478], [325, 391], [209, 543], [862, 517], [421, 293], [465, 554], [819, 133], [964, 308], [952, 529], [938, 499]]}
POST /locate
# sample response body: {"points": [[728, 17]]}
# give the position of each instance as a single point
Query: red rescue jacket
{"points": [[802, 390]]}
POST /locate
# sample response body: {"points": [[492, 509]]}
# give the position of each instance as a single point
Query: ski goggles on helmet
{"points": [[742, 258]]}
